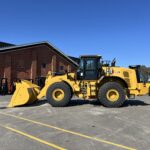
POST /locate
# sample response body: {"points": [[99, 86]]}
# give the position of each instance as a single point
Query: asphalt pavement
{"points": [[79, 126]]}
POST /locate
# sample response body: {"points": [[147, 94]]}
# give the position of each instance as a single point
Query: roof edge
{"points": [[6, 49]]}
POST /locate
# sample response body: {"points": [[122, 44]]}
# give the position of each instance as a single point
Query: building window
{"points": [[61, 68], [43, 65]]}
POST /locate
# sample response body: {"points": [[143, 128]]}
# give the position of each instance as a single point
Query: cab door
{"points": [[90, 70]]}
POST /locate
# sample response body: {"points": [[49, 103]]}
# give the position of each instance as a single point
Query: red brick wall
{"points": [[31, 62]]}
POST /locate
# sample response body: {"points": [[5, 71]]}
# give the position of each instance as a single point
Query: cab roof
{"points": [[90, 56]]}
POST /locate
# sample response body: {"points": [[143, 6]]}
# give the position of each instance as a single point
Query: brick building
{"points": [[33, 60]]}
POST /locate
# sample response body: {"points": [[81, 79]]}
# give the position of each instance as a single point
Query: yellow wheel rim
{"points": [[58, 94], [112, 95]]}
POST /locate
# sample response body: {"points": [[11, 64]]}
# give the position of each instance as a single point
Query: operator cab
{"points": [[89, 68]]}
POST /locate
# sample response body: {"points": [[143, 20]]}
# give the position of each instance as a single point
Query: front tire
{"points": [[111, 94], [58, 94]]}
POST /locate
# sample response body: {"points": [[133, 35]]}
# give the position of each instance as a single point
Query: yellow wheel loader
{"points": [[110, 84]]}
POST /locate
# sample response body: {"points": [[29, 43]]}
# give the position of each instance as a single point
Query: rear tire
{"points": [[111, 94], [58, 94]]}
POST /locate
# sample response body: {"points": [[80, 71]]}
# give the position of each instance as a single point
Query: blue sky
{"points": [[111, 28]]}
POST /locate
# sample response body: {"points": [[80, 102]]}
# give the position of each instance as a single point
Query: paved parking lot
{"points": [[82, 125]]}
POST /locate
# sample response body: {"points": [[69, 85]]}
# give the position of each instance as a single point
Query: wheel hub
{"points": [[58, 94], [112, 95]]}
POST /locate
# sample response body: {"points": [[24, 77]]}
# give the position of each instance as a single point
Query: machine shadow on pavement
{"points": [[134, 102], [127, 103], [78, 102]]}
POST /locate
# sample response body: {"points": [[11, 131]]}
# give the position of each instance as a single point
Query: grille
{"points": [[126, 74]]}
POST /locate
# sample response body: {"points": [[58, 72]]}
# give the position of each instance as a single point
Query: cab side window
{"points": [[90, 65]]}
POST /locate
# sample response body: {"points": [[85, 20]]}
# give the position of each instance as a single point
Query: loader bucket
{"points": [[25, 93]]}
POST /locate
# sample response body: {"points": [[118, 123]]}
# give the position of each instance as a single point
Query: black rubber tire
{"points": [[103, 91], [67, 97]]}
